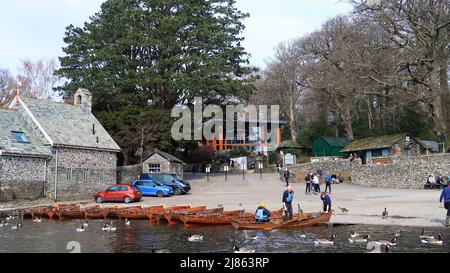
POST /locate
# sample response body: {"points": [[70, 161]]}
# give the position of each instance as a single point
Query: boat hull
{"points": [[299, 221]]}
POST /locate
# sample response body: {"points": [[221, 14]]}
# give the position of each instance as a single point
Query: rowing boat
{"points": [[95, 213], [298, 221], [137, 212], [40, 212], [159, 214], [223, 218], [175, 217], [172, 216], [69, 211]]}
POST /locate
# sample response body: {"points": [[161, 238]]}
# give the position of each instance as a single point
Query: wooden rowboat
{"points": [[223, 218], [95, 213], [298, 221], [113, 212], [157, 215], [40, 212], [172, 216], [69, 212], [137, 212]]}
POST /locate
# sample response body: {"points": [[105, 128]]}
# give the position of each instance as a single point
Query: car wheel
{"points": [[177, 191], [99, 199], [160, 194], [127, 199]]}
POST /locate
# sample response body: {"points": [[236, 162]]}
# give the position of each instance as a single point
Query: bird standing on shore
{"points": [[384, 215], [343, 210], [300, 211]]}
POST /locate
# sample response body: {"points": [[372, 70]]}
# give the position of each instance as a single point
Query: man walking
{"points": [[288, 196], [328, 182], [326, 199], [286, 177], [445, 198]]}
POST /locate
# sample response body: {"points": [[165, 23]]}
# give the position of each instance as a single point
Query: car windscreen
{"points": [[135, 188], [157, 183]]}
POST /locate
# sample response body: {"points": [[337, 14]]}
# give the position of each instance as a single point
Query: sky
{"points": [[34, 29]]}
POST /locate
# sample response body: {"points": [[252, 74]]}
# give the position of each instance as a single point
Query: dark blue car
{"points": [[152, 188], [176, 183]]}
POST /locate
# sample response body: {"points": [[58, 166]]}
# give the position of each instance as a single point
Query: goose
{"points": [[195, 238], [384, 214], [9, 217], [359, 239], [325, 241], [249, 238], [154, 250], [85, 224], [37, 220], [127, 222], [392, 242], [344, 210], [3, 223], [107, 227], [354, 234], [81, 229], [302, 235], [299, 209], [237, 249], [15, 227], [426, 237], [432, 241]]}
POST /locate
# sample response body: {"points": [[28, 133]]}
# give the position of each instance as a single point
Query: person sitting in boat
{"points": [[262, 214], [326, 199]]}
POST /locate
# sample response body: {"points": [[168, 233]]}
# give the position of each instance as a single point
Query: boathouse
{"points": [[162, 162], [329, 146]]}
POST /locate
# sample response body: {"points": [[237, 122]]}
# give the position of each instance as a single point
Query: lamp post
{"points": [[260, 167], [208, 170], [243, 171], [226, 172]]}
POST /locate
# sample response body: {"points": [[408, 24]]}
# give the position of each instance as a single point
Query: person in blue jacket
{"points": [[326, 199], [445, 198], [328, 182], [288, 196], [262, 214]]}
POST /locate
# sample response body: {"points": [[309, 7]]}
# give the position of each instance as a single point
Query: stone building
{"points": [[159, 161], [370, 148], [60, 149]]}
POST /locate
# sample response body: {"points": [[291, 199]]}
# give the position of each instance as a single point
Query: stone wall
{"points": [[81, 173], [21, 178], [126, 174], [405, 172]]}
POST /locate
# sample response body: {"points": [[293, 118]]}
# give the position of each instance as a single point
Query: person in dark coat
{"points": [[288, 196], [326, 199], [445, 198]]}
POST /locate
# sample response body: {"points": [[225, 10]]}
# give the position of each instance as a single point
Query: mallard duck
{"points": [[195, 238], [432, 241], [127, 222], [423, 236], [302, 235], [37, 220], [359, 239], [81, 229], [354, 234], [237, 249], [248, 237], [154, 250], [325, 241], [384, 214], [392, 242]]}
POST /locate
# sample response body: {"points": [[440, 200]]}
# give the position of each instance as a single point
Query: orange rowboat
{"points": [[40, 212], [174, 217], [69, 212], [159, 214], [298, 221], [224, 218], [95, 213], [137, 212]]}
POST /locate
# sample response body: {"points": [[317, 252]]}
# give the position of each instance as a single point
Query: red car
{"points": [[119, 193]]}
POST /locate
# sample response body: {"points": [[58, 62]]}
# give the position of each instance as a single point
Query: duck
{"points": [[392, 242], [359, 239], [343, 210], [127, 222], [85, 224], [302, 235], [426, 237], [237, 249], [432, 241], [3, 223], [384, 214], [195, 238], [9, 217], [15, 227], [81, 229], [154, 250], [248, 237], [325, 241], [37, 220], [354, 234]]}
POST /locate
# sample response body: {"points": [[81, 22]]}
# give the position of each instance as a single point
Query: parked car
{"points": [[178, 186], [119, 193], [152, 188]]}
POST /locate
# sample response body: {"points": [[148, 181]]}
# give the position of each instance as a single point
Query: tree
{"points": [[36, 79], [7, 87], [166, 52]]}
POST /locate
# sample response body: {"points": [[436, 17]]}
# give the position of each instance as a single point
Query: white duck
{"points": [[81, 229], [325, 241], [237, 249], [432, 241], [195, 238], [37, 220], [426, 237], [359, 239]]}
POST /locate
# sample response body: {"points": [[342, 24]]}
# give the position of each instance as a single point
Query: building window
{"points": [[20, 137], [154, 168], [69, 174]]}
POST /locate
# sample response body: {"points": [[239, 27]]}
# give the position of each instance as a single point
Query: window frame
{"points": [[16, 134]]}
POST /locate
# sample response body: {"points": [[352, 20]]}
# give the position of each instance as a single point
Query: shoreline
{"points": [[413, 208]]}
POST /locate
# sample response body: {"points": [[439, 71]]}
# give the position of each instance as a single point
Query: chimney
{"points": [[83, 99]]}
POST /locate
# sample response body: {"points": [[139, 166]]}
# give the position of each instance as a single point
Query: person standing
{"points": [[308, 183], [445, 198], [326, 199], [194, 172], [286, 177], [328, 182], [288, 196], [319, 174], [316, 183]]}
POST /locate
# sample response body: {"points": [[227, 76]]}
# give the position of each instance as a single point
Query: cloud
{"points": [[72, 3]]}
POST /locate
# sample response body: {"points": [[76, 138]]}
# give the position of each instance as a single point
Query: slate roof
{"points": [[373, 143], [289, 144], [338, 142], [430, 145], [11, 120], [165, 155], [69, 125]]}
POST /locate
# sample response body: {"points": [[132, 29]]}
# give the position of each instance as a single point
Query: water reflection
{"points": [[140, 236]]}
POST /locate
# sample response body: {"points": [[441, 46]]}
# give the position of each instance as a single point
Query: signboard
{"points": [[288, 159]]}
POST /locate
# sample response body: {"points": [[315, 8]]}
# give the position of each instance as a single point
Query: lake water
{"points": [[140, 236]]}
